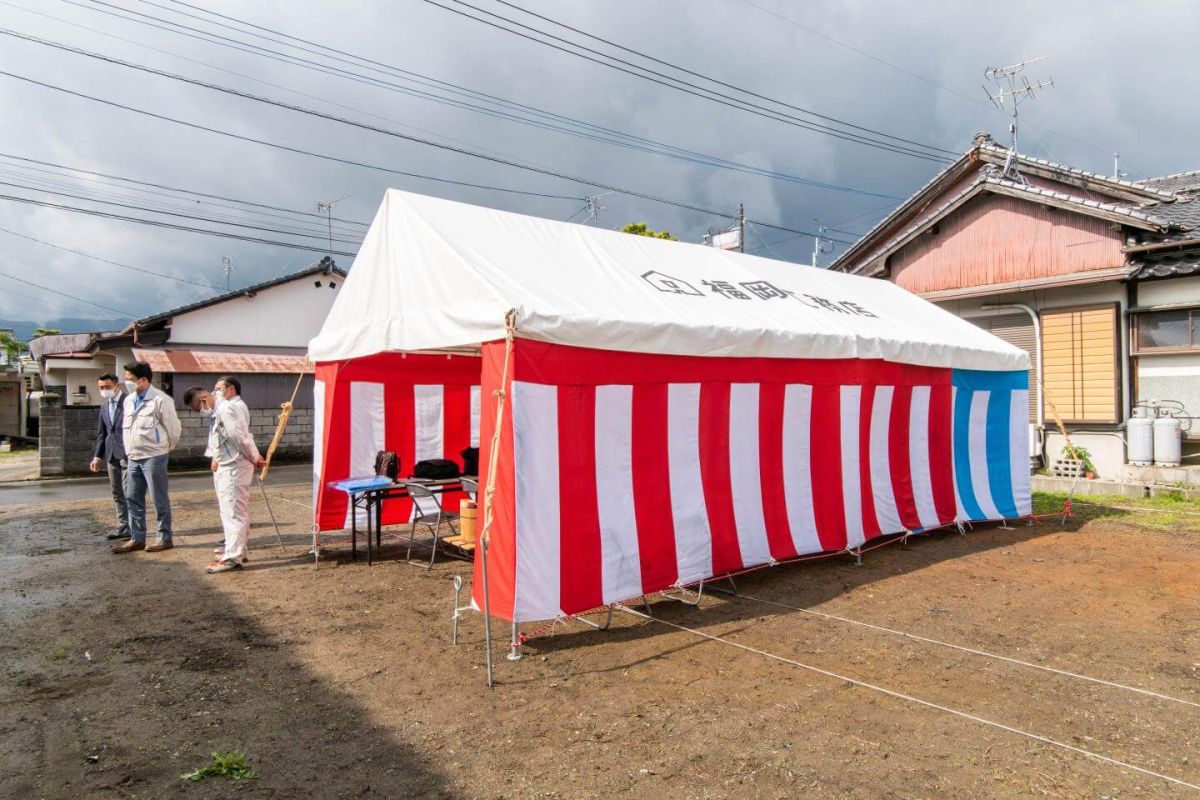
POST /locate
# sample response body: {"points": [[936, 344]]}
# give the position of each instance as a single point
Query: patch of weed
{"points": [[231, 766]]}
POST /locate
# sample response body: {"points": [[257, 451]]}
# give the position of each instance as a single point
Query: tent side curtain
{"points": [[622, 474], [420, 406]]}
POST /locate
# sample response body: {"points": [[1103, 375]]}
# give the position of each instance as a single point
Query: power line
{"points": [[580, 129], [171, 226], [686, 71], [352, 123], [64, 294], [107, 261], [687, 87], [42, 298]]}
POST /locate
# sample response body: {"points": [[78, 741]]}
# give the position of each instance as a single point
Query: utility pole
{"points": [[327, 209], [1013, 88], [227, 268], [741, 228], [820, 244]]}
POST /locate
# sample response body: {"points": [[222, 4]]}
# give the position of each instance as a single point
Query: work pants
{"points": [[116, 481], [232, 482], [140, 474]]}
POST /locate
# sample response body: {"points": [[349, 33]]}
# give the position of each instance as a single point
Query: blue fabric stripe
{"points": [[999, 451], [962, 453], [991, 381]]}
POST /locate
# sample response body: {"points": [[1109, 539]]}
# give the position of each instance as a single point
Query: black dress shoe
{"points": [[117, 536]]}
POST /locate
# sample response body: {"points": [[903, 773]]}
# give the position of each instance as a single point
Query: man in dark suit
{"points": [[110, 448]]}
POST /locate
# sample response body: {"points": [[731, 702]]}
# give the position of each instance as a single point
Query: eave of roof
{"points": [[1107, 211], [994, 154], [325, 266]]}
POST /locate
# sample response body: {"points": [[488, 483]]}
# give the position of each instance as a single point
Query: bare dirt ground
{"points": [[18, 465], [121, 673]]}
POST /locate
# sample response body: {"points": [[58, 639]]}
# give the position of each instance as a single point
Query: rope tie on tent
{"points": [[489, 491]]}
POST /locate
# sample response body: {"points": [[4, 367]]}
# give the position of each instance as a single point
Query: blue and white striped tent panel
{"points": [[991, 444]]}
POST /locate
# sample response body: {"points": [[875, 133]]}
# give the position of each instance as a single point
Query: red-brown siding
{"points": [[995, 239]]}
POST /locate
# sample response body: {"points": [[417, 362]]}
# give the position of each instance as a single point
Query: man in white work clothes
{"points": [[234, 459]]}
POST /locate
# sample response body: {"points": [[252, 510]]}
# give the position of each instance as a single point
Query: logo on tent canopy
{"points": [[665, 283]]}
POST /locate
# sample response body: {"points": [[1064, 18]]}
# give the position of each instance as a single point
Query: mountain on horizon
{"points": [[23, 329]]}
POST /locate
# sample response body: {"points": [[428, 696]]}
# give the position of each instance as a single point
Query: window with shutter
{"points": [[1079, 359], [1017, 329]]}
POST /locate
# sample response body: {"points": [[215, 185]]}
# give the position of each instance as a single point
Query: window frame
{"points": [[1137, 350]]}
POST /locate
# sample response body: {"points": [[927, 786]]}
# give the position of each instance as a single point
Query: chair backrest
{"points": [[426, 501], [471, 488]]}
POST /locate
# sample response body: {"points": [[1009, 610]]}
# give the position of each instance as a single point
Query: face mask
{"points": [[131, 387], [108, 394], [208, 412]]}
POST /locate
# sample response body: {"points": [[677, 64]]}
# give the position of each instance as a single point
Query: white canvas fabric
{"points": [[434, 274]]}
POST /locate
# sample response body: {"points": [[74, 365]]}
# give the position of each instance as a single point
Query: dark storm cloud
{"points": [[1123, 76]]}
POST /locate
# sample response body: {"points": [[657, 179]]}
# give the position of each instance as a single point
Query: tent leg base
{"points": [[514, 649], [732, 591], [596, 625], [857, 553], [682, 596]]}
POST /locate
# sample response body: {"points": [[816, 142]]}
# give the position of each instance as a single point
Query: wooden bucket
{"points": [[466, 521]]}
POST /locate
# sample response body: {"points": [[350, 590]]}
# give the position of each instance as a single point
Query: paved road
{"points": [[56, 491]]}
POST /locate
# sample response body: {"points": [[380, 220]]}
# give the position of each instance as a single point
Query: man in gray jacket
{"points": [[151, 431]]}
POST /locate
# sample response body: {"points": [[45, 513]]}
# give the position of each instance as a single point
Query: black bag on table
{"points": [[435, 469], [470, 458], [387, 464]]}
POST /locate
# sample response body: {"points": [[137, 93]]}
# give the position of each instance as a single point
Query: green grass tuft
{"points": [[231, 766]]}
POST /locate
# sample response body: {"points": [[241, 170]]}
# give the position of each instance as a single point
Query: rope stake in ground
{"points": [[973, 651], [909, 698]]}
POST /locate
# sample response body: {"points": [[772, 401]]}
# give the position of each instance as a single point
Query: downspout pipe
{"points": [[994, 309]]}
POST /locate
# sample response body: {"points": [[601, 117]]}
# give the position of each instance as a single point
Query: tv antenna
{"points": [[1011, 88], [227, 269], [327, 210], [593, 206]]}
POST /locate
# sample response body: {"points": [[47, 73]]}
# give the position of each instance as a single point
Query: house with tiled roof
{"points": [[259, 333], [1096, 276]]}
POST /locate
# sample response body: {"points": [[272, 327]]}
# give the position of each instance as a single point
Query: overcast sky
{"points": [[1124, 78]]}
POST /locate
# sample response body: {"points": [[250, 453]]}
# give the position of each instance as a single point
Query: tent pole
{"points": [[487, 612], [514, 651]]}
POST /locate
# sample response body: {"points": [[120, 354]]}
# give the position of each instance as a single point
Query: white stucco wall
{"points": [[288, 315], [1169, 292], [75, 373]]}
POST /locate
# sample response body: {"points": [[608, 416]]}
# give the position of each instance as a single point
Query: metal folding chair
{"points": [[429, 514], [471, 488]]}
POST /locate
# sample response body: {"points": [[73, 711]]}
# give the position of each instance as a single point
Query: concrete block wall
{"points": [[50, 436], [296, 444], [66, 436]]}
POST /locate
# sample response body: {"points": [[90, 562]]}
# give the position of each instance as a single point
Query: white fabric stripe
{"points": [[918, 456], [475, 411], [744, 476], [693, 538], [429, 403], [881, 464], [535, 456], [318, 440], [1018, 432], [620, 560], [958, 504], [797, 468], [366, 432], [978, 450], [850, 399]]}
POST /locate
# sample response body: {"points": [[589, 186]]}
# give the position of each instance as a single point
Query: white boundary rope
{"points": [[973, 651], [909, 698]]}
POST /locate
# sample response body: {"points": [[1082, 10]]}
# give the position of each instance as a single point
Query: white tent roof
{"points": [[434, 274]]}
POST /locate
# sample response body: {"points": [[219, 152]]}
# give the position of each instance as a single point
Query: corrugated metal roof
{"points": [[210, 361]]}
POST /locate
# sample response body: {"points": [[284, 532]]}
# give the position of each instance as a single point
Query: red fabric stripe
{"points": [[714, 474], [580, 555], [456, 432], [869, 518], [898, 458], [336, 453], [652, 489], [826, 461], [941, 467], [770, 467], [502, 534], [539, 362], [399, 436]]}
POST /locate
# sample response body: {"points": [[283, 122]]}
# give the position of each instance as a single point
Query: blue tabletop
{"points": [[353, 485]]}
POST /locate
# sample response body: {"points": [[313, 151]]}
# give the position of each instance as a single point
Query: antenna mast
{"points": [[327, 209], [1013, 88], [227, 269]]}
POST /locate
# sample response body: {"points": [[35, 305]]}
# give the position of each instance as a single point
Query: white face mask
{"points": [[131, 387], [108, 394], [208, 412]]}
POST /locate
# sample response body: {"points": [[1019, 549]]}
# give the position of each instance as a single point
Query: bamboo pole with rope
{"points": [[285, 413]]}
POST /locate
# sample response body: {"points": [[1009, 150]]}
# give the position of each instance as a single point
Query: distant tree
{"points": [[44, 332], [640, 229], [11, 346]]}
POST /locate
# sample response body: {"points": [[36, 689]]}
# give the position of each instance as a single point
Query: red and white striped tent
{"points": [[674, 412]]}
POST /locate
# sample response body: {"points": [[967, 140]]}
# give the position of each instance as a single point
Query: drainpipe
{"points": [[997, 308]]}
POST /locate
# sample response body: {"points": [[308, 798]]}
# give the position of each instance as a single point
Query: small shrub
{"points": [[231, 766]]}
